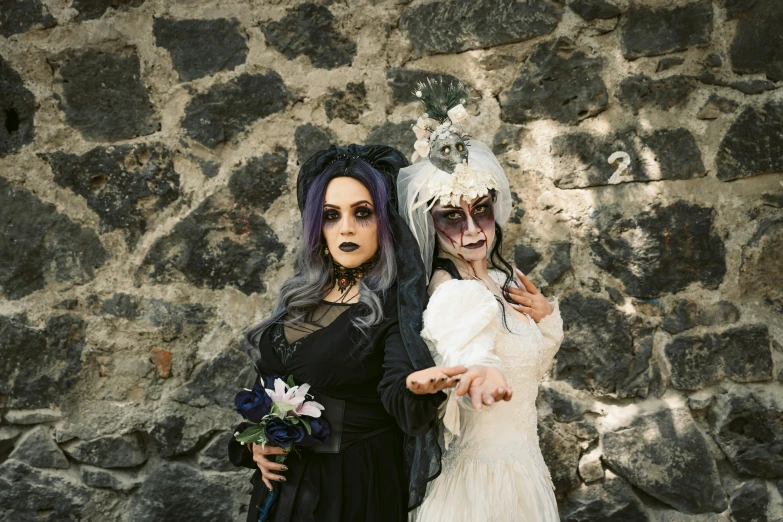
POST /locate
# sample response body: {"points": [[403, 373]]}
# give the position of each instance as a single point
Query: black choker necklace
{"points": [[347, 277]]}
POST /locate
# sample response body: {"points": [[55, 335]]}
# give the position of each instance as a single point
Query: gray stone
{"points": [[773, 200], [713, 60], [742, 354], [28, 494], [124, 184], [397, 135], [565, 407], [688, 314], [403, 83], [749, 430], [260, 181], [505, 139], [163, 497], [560, 449], [172, 320], [38, 449], [310, 139], [590, 468], [310, 30], [676, 154], [19, 16], [752, 145], [32, 416], [559, 263], [8, 437], [598, 353], [609, 501], [594, 9], [754, 86], [209, 168], [214, 456], [17, 111], [669, 62], [683, 317], [615, 295], [517, 210], [720, 313], [749, 502], [347, 105], [661, 250], [761, 271], [680, 473], [558, 83], [102, 93], [225, 241], [223, 112], [92, 9], [114, 480], [758, 41], [122, 305], [461, 25], [39, 366], [582, 158], [585, 430], [649, 31], [217, 381], [526, 258], [700, 401], [201, 48], [640, 91], [39, 245], [715, 106], [735, 8], [111, 451]]}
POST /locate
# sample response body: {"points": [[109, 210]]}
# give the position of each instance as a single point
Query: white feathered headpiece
{"points": [[446, 167]]}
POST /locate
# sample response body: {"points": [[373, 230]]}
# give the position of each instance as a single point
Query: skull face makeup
{"points": [[467, 231], [446, 153]]}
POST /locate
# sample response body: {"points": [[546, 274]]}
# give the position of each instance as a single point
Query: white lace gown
{"points": [[492, 469]]}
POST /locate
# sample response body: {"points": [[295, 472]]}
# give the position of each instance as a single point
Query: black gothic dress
{"points": [[367, 479]]}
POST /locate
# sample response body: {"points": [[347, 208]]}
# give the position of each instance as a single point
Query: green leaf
{"points": [[251, 434], [281, 408], [290, 381], [307, 427]]}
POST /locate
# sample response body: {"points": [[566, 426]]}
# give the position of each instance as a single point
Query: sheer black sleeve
{"points": [[238, 453], [415, 414]]}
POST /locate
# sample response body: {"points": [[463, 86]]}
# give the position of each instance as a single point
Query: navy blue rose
{"points": [[280, 432], [270, 381], [254, 404], [320, 432]]}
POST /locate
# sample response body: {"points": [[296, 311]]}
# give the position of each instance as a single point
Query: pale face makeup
{"points": [[349, 222], [467, 231]]}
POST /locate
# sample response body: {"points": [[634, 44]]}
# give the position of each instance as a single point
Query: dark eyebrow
{"points": [[362, 202]]}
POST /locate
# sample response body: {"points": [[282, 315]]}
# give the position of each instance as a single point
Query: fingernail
{"points": [[285, 468], [442, 378], [432, 380], [457, 380], [282, 479]]}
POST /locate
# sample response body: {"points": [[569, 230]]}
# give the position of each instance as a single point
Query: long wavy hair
{"points": [[302, 293]]}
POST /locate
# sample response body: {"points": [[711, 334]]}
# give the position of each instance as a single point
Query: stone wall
{"points": [[148, 154]]}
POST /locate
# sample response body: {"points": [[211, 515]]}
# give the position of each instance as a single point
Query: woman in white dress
{"points": [[455, 199]]}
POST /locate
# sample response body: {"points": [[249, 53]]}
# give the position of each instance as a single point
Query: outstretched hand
{"points": [[434, 379], [484, 385], [527, 299]]}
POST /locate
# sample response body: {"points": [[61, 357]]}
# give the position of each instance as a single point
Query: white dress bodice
{"points": [[464, 324]]}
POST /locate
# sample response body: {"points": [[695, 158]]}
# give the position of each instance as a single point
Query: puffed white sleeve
{"points": [[459, 329], [551, 328]]}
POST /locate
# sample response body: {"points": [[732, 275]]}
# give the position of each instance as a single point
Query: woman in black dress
{"points": [[348, 324]]}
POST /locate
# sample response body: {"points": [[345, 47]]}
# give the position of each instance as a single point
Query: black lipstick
{"points": [[473, 246], [348, 247]]}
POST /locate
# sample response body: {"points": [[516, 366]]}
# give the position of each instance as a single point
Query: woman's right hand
{"points": [[266, 466], [434, 379]]}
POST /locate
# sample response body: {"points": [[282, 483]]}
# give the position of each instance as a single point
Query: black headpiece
{"points": [[424, 452]]}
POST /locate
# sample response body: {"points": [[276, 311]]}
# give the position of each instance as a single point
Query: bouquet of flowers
{"points": [[277, 412]]}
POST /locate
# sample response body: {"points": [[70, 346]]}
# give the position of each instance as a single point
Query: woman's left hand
{"points": [[528, 299], [434, 379]]}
